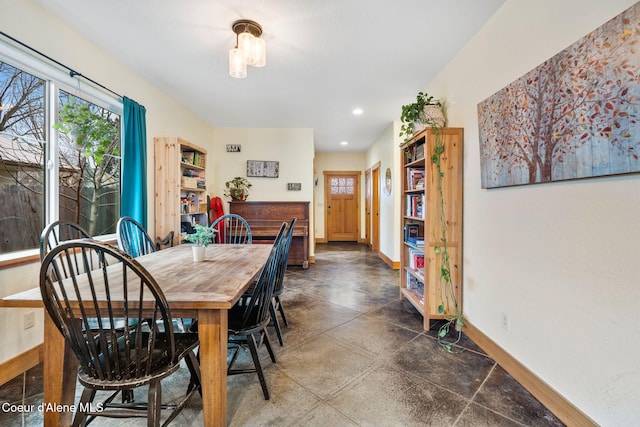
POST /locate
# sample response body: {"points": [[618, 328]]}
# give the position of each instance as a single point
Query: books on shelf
{"points": [[415, 178], [412, 234], [415, 285], [414, 153], [415, 205], [416, 241], [193, 158], [416, 259]]}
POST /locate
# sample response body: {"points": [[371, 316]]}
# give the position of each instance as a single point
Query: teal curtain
{"points": [[134, 162]]}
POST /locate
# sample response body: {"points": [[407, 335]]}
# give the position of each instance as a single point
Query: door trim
{"points": [[327, 188], [375, 207]]}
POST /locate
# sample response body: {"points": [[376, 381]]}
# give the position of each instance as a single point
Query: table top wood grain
{"points": [[215, 283]]}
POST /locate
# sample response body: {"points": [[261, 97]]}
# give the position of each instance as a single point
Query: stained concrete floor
{"points": [[354, 355]]}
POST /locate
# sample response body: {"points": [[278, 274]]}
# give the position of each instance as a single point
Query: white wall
{"points": [[336, 162], [30, 24], [560, 260], [293, 148], [386, 150]]}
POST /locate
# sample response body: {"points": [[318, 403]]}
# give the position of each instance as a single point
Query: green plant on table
{"points": [[203, 236]]}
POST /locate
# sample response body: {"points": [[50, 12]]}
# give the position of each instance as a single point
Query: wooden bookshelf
{"points": [[180, 185], [421, 231]]}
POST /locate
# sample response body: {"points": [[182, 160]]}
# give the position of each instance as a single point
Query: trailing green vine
{"points": [[447, 292]]}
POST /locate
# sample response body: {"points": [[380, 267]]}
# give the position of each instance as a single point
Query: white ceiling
{"points": [[324, 57]]}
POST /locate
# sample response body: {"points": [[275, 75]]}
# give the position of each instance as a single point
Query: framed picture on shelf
{"points": [[263, 168]]}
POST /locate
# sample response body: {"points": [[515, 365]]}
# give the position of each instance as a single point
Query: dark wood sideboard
{"points": [[265, 219]]}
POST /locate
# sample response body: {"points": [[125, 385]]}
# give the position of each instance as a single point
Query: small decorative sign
{"points": [[294, 186], [263, 168], [233, 148]]}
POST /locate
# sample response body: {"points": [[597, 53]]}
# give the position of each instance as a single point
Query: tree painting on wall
{"points": [[574, 116]]}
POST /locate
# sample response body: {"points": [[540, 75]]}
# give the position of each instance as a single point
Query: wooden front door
{"points": [[342, 205]]}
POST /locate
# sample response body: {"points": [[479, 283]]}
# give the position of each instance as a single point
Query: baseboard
{"points": [[393, 264], [554, 401], [13, 367], [321, 240]]}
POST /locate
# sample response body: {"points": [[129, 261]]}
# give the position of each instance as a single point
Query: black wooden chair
{"points": [[133, 238], [232, 228], [114, 359], [278, 289], [58, 232], [248, 319]]}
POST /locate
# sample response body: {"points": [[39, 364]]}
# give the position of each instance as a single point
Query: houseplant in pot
{"points": [[237, 188], [201, 238], [425, 112]]}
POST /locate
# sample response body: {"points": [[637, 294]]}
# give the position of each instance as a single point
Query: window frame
{"points": [[56, 78]]}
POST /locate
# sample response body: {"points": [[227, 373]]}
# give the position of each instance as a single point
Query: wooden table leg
{"points": [[212, 332], [60, 372]]}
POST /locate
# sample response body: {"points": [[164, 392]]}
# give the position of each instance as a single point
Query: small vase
{"points": [[198, 253]]}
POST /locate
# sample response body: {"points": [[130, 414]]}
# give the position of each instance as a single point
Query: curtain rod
{"points": [[72, 72]]}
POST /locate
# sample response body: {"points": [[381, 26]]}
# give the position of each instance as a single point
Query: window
{"points": [[60, 151]]}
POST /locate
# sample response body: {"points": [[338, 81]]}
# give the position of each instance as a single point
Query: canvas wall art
{"points": [[263, 168], [574, 116]]}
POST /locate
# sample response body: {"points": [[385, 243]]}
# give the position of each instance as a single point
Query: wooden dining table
{"points": [[204, 290]]}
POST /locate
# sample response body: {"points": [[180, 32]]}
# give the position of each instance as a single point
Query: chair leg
{"points": [[127, 396], [281, 310], [253, 347], [276, 323], [154, 404], [267, 343], [194, 368], [80, 419]]}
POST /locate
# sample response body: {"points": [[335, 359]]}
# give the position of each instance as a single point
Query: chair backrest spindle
{"points": [[133, 238], [233, 229]]}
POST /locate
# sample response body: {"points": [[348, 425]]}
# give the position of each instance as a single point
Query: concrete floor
{"points": [[354, 355]]}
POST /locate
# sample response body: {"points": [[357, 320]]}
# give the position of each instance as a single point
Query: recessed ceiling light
{"points": [[358, 111], [344, 143]]}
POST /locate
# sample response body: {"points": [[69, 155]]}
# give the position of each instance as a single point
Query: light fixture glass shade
{"points": [[237, 64], [246, 43], [259, 52]]}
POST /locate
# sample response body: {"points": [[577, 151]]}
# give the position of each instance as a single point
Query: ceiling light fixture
{"points": [[249, 49], [358, 111]]}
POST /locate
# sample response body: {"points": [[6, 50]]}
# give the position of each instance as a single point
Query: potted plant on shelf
{"points": [[237, 189], [201, 238], [425, 112]]}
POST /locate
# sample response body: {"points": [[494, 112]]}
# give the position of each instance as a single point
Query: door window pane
{"points": [[22, 158]]}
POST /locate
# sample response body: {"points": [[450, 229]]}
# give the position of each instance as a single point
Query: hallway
{"points": [[354, 355]]}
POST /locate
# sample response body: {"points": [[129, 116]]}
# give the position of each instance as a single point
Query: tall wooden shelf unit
{"points": [[180, 185], [420, 264]]}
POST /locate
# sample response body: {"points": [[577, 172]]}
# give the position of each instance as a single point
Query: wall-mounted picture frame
{"points": [[294, 186], [263, 168], [234, 148], [387, 182], [574, 116]]}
